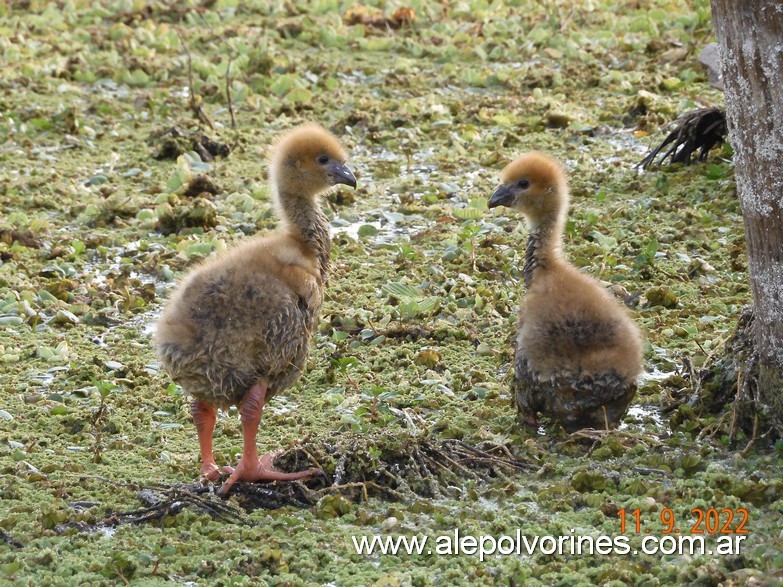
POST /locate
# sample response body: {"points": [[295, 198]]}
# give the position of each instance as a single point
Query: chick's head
{"points": [[534, 184], [308, 161]]}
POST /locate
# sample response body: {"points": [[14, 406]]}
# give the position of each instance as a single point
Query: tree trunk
{"points": [[750, 34]]}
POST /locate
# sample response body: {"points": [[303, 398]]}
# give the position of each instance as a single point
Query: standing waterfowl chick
{"points": [[578, 351], [237, 329]]}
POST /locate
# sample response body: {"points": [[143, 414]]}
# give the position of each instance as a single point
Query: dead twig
{"points": [[502, 448], [712, 429], [363, 485], [508, 462], [625, 438], [425, 472], [195, 99], [457, 466], [754, 437], [228, 93]]}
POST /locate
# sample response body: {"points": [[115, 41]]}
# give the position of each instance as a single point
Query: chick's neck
{"points": [[542, 248], [303, 218]]}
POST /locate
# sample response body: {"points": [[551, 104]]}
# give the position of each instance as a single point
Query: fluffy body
{"points": [[237, 329], [245, 315], [578, 352]]}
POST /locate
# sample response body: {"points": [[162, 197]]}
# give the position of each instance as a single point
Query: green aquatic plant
{"points": [[104, 389], [469, 230], [412, 302]]}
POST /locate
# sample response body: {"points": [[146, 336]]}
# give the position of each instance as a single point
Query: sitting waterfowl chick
{"points": [[578, 351], [237, 329]]}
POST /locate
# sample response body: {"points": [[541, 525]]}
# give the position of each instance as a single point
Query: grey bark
{"points": [[750, 34]]}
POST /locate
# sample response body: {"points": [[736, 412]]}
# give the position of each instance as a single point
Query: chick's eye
{"points": [[523, 184], [323, 160]]}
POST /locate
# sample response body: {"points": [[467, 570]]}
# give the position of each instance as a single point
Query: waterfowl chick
{"points": [[237, 329], [578, 352]]}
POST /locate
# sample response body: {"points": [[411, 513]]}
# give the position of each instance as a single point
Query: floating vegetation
{"points": [[117, 173]]}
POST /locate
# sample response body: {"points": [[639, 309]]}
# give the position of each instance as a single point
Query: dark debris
{"points": [[402, 17], [172, 142], [409, 467], [162, 501], [200, 184], [417, 466], [699, 130], [8, 539], [25, 238]]}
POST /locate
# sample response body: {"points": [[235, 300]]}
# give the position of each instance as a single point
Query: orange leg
{"points": [[250, 466], [204, 416]]}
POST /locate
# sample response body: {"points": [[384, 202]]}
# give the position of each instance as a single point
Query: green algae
{"points": [[430, 113]]}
